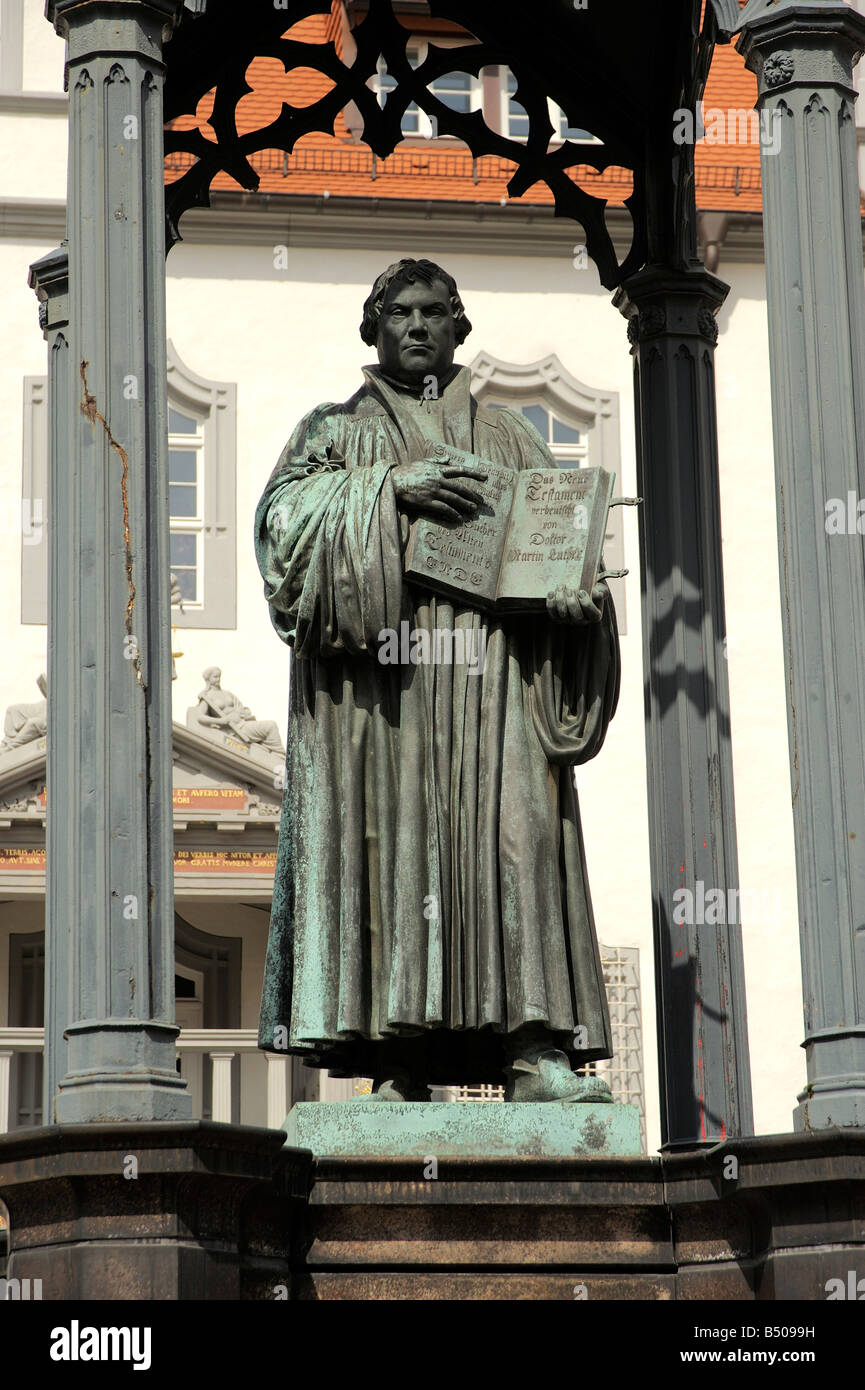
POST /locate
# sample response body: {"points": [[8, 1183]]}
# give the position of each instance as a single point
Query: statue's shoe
{"points": [[397, 1088], [549, 1077]]}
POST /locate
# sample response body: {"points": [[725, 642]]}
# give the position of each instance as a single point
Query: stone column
{"points": [[220, 1103], [277, 1089], [111, 834], [49, 278], [6, 1056], [803, 55], [702, 1031]]}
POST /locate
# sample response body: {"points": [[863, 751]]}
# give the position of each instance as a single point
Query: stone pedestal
{"points": [[195, 1210], [161, 1211], [760, 1219]]}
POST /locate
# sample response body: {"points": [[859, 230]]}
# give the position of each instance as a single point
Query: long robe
{"points": [[430, 893]]}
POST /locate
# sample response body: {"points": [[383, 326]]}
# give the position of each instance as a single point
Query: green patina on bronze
{"points": [[430, 896], [441, 1129]]}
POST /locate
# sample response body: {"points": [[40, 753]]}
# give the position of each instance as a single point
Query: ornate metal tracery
{"points": [[213, 50], [732, 18]]}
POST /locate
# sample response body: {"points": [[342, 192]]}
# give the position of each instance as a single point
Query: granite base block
{"points": [[215, 1211], [552, 1129]]}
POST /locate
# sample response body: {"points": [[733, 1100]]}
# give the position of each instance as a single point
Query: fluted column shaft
{"points": [[803, 55], [110, 864], [705, 1086], [49, 278]]}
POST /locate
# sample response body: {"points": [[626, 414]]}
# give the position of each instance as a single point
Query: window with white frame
{"points": [[565, 131], [461, 91], [515, 123], [383, 84], [202, 450], [186, 504], [568, 445], [515, 118], [579, 425]]}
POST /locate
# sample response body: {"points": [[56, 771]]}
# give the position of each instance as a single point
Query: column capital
{"points": [[810, 30], [49, 279], [68, 14], [658, 301], [114, 28]]}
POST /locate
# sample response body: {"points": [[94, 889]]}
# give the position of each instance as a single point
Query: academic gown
{"points": [[430, 893]]}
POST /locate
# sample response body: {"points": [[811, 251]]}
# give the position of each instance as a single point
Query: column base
{"points": [[121, 1069], [105, 1097], [830, 1109]]}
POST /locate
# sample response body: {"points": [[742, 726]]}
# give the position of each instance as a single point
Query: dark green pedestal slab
{"points": [[436, 1129]]}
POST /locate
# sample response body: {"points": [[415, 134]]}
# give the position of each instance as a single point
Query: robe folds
{"points": [[430, 893]]}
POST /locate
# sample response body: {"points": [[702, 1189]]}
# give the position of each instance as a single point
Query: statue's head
{"points": [[212, 676], [415, 319]]}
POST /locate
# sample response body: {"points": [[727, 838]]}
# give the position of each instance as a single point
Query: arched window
{"points": [[202, 446], [579, 425]]}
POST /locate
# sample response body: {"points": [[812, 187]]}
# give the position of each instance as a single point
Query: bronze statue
{"points": [[431, 919]]}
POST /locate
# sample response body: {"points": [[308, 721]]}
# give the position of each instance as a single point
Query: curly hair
{"points": [[406, 272]]}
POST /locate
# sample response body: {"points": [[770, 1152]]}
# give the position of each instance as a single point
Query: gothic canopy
{"points": [[619, 69]]}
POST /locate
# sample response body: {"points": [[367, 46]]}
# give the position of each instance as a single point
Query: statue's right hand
{"points": [[424, 486]]}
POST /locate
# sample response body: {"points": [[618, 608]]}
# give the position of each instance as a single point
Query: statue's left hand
{"points": [[577, 606]]}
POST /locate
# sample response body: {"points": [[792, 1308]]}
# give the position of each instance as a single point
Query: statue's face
{"points": [[416, 332]]}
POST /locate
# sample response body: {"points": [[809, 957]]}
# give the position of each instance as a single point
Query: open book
{"points": [[536, 530]]}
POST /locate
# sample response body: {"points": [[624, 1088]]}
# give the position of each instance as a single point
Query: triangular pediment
{"points": [[213, 781], [22, 784]]}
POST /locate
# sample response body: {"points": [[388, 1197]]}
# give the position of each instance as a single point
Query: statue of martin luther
{"points": [[431, 919]]}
